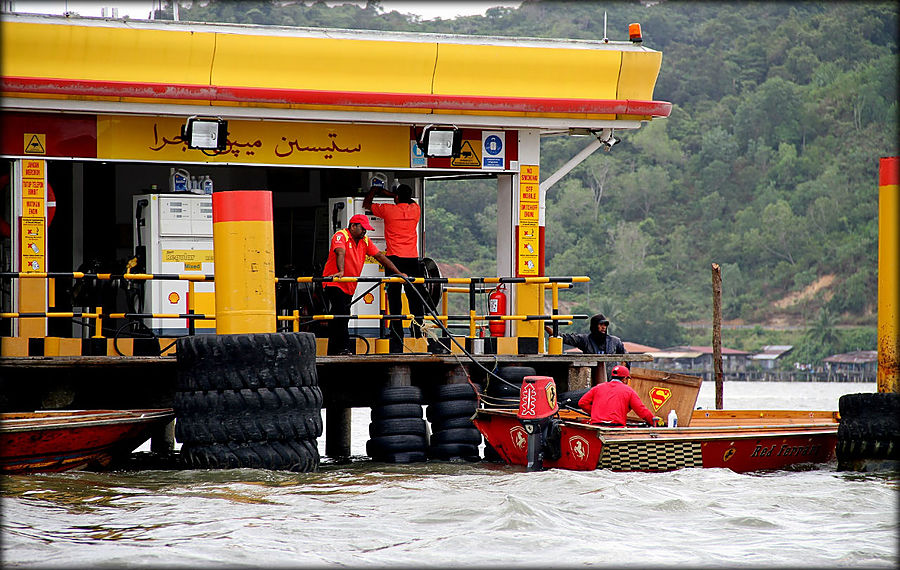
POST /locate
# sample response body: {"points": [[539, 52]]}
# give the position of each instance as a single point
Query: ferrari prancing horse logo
{"points": [[658, 397], [579, 447]]}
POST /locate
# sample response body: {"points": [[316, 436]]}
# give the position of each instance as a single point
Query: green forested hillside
{"points": [[767, 165]]}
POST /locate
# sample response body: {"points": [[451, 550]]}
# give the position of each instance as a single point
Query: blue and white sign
{"points": [[416, 156], [493, 151]]}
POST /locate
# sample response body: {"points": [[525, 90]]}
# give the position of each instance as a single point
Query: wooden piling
{"points": [[717, 331]]}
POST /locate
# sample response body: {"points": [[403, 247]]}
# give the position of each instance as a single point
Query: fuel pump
{"points": [[173, 234], [366, 301]]}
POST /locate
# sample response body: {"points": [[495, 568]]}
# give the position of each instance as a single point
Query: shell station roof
{"points": [[164, 67]]}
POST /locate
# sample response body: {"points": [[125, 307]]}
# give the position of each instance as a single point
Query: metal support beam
{"points": [[573, 162]]}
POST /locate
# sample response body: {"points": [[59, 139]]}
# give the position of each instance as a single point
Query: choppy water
{"points": [[442, 514]]}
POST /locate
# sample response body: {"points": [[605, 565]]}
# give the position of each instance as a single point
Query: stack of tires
{"points": [[869, 432], [504, 393], [453, 435], [397, 431], [248, 400]]}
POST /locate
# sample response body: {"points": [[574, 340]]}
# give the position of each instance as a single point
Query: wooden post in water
{"points": [[717, 331]]}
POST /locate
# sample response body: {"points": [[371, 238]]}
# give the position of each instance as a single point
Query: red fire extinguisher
{"points": [[497, 306]]}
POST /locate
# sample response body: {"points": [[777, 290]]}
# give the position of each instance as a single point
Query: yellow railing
{"points": [[475, 286]]}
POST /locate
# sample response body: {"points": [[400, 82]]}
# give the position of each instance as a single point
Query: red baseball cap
{"points": [[361, 219]]}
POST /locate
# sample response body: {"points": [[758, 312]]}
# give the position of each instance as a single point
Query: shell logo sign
{"points": [[659, 396]]}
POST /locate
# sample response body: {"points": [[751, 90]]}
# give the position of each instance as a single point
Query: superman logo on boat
{"points": [[658, 397]]}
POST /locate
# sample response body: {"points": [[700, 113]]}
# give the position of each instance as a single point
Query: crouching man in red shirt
{"points": [[608, 403]]}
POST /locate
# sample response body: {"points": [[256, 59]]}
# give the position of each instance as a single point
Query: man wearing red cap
{"points": [[608, 403], [346, 257]]}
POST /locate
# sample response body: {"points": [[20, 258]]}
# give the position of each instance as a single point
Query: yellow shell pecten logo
{"points": [[658, 396], [368, 298], [174, 298]]}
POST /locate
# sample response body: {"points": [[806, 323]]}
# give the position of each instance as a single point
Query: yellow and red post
{"points": [[888, 271], [245, 261]]}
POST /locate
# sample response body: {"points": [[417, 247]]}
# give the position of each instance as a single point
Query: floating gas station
{"points": [[108, 200], [96, 107]]}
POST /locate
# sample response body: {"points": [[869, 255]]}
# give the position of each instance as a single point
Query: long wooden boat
{"points": [[63, 440], [743, 441]]}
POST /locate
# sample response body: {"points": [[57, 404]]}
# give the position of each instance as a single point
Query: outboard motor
{"points": [[537, 405]]}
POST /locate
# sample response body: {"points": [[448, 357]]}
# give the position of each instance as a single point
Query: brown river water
{"points": [[439, 514]]}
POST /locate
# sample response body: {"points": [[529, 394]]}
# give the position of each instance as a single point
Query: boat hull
{"points": [[62, 440], [777, 440]]}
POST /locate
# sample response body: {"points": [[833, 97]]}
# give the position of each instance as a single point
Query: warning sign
{"points": [[468, 156], [33, 168], [35, 143], [33, 256], [529, 195], [528, 252]]}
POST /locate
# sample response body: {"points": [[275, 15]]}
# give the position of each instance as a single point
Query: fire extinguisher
{"points": [[497, 306]]}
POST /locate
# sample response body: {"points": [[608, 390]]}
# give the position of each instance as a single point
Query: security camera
{"points": [[606, 137]]}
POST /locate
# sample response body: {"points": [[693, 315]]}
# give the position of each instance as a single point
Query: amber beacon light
{"points": [[634, 33]]}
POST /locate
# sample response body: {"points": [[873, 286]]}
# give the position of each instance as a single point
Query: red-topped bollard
{"points": [[244, 249], [888, 275]]}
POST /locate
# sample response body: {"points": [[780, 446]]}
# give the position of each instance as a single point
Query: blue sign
{"points": [[493, 145]]}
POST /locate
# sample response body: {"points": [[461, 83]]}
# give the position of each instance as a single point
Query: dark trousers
{"points": [[338, 335], [410, 266]]}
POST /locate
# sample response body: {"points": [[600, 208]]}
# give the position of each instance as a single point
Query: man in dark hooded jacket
{"points": [[597, 341]]}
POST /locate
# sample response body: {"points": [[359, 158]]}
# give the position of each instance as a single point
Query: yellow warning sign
{"points": [[33, 168], [468, 156], [33, 257], [35, 143]]}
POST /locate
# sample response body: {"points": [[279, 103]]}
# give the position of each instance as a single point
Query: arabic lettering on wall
{"points": [[283, 149]]}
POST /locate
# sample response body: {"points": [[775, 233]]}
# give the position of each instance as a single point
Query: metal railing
{"points": [[474, 286]]}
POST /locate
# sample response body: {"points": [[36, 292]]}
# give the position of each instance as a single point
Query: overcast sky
{"points": [[427, 10]]}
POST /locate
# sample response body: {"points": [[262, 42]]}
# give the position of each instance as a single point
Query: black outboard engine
{"points": [[537, 406]]}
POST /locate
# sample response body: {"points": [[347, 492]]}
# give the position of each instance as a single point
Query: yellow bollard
{"points": [[98, 328], [888, 281], [244, 249]]}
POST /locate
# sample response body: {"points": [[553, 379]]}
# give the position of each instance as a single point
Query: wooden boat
{"points": [[540, 435], [63, 440], [746, 440]]}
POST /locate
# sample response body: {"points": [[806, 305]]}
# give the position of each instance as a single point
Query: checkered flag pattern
{"points": [[650, 456]]}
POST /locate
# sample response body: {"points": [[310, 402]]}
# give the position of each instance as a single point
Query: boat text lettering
{"points": [[785, 450]]}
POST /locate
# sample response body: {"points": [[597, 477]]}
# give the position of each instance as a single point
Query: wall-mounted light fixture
{"points": [[440, 141], [205, 133]]}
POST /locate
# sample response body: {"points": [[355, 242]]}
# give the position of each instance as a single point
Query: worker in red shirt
{"points": [[609, 402], [346, 257], [401, 220]]}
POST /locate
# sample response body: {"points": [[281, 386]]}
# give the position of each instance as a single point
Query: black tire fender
{"points": [[469, 436], [397, 426], [396, 411]]}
